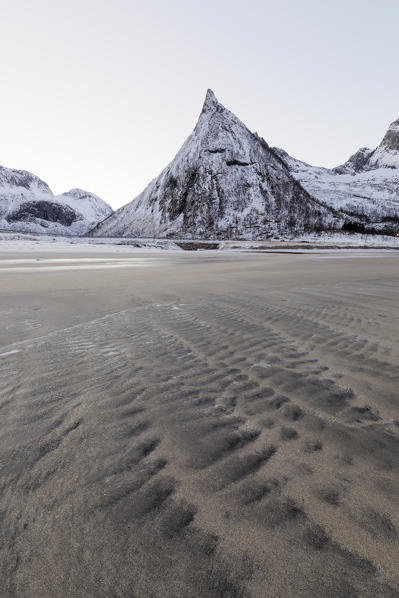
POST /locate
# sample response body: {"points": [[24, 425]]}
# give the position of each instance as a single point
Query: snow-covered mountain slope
{"points": [[387, 153], [27, 204], [225, 181], [366, 187]]}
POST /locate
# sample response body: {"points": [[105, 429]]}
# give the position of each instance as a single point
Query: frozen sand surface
{"points": [[217, 424]]}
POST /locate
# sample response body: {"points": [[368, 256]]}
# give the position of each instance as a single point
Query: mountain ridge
{"points": [[365, 188], [27, 204]]}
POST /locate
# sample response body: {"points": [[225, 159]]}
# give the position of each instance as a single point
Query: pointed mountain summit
{"points": [[210, 101], [387, 153], [223, 179], [391, 139]]}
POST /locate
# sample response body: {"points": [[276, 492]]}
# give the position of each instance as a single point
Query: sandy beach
{"points": [[199, 424]]}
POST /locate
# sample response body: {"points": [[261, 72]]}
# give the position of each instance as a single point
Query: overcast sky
{"points": [[100, 94]]}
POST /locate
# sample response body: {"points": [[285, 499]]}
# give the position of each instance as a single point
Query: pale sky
{"points": [[101, 94]]}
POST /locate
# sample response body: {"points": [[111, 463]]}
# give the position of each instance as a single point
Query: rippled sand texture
{"points": [[209, 426]]}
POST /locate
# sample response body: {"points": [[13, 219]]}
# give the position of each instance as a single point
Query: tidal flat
{"points": [[199, 424]]}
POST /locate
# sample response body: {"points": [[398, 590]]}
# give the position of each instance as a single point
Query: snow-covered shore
{"points": [[30, 242], [27, 242]]}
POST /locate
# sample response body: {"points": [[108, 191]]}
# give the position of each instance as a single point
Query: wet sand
{"points": [[182, 425]]}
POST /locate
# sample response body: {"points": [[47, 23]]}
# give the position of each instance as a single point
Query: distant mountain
{"points": [[386, 155], [225, 181], [27, 204], [365, 188]]}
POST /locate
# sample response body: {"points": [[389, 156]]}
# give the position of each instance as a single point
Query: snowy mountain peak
{"points": [[391, 139], [224, 181], [358, 162], [211, 102], [79, 194], [387, 153], [21, 181]]}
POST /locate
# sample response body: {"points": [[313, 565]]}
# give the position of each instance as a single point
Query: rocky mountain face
{"points": [[387, 153], [365, 189], [27, 204], [224, 182]]}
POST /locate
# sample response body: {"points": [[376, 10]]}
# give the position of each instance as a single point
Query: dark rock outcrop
{"points": [[44, 210]]}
